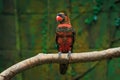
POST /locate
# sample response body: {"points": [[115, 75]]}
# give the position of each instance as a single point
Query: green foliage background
{"points": [[27, 27]]}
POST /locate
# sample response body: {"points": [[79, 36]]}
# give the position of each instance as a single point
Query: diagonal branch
{"points": [[53, 58]]}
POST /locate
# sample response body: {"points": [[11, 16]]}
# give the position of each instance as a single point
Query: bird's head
{"points": [[60, 17]]}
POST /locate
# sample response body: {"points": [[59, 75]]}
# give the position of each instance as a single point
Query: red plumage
{"points": [[64, 37]]}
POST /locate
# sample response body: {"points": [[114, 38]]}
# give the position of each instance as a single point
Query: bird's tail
{"points": [[63, 68]]}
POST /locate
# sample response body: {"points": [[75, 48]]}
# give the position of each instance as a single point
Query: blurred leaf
{"points": [[95, 18], [88, 21], [96, 9]]}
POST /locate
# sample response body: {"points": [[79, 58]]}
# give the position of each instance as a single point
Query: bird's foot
{"points": [[69, 54], [59, 54]]}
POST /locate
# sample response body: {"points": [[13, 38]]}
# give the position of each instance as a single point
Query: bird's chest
{"points": [[64, 37]]}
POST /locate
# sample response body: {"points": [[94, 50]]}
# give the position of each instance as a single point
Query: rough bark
{"points": [[53, 58]]}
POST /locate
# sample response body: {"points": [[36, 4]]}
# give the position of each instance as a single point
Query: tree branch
{"points": [[53, 58]]}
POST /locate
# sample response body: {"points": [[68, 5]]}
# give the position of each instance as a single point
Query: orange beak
{"points": [[58, 18]]}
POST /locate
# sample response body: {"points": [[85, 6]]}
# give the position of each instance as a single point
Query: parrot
{"points": [[65, 37]]}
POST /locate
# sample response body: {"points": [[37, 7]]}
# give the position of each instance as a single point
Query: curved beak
{"points": [[58, 18]]}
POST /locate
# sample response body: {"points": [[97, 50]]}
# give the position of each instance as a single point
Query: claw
{"points": [[69, 54], [59, 54]]}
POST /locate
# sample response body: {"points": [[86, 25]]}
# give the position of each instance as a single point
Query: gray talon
{"points": [[69, 54], [59, 54]]}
